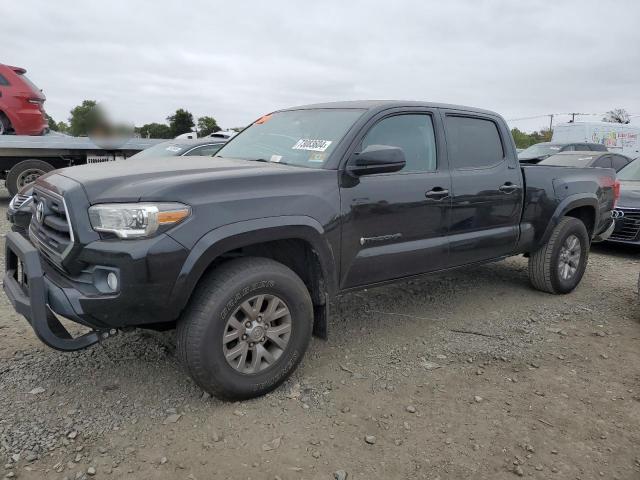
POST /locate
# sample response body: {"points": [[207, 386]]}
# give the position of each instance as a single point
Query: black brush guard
{"points": [[26, 287]]}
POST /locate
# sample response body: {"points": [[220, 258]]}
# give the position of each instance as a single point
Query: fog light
{"points": [[112, 281]]}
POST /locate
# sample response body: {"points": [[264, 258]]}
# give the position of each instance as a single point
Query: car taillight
{"points": [[616, 192]]}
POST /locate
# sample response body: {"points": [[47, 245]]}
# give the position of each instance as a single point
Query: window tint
{"points": [[603, 162], [205, 150], [568, 148], [619, 162], [413, 133], [473, 142], [3, 81]]}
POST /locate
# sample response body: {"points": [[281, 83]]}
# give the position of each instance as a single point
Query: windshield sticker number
{"points": [[276, 158], [317, 157], [312, 145], [173, 148]]}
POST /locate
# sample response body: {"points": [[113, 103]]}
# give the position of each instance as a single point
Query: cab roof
{"points": [[378, 105]]}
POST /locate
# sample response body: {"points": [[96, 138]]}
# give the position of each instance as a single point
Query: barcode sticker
{"points": [[312, 145]]}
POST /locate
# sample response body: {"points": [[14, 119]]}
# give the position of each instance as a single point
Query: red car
{"points": [[21, 103]]}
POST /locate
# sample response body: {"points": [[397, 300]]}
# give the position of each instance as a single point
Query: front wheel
{"points": [[246, 328], [558, 266]]}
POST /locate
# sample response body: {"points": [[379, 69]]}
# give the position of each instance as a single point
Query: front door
{"points": [[395, 224]]}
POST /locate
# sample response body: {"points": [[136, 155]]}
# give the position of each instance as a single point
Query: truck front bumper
{"points": [[32, 295]]}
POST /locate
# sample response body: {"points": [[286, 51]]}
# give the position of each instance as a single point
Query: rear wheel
{"points": [[559, 265], [24, 173], [246, 328]]}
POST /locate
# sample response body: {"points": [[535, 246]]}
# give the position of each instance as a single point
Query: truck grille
{"points": [[627, 227], [18, 200], [50, 228]]}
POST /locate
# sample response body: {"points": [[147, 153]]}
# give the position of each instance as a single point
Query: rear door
{"points": [[487, 188], [395, 224]]}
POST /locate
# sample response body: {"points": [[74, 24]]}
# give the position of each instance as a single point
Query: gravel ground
{"points": [[471, 374]]}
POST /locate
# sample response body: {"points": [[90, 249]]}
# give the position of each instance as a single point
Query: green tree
{"points": [[207, 125], [154, 130], [524, 140], [53, 126], [180, 122], [83, 118]]}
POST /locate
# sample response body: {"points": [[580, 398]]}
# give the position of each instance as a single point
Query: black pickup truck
{"points": [[243, 252]]}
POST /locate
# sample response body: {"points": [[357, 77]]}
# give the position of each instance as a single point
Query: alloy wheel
{"points": [[257, 333]]}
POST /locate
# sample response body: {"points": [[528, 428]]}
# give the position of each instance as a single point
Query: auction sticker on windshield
{"points": [[312, 145]]}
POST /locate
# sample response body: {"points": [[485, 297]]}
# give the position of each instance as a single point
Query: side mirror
{"points": [[376, 159]]}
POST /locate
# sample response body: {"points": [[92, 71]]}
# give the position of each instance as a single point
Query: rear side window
{"points": [[3, 81], [413, 133], [473, 142], [603, 162], [619, 162]]}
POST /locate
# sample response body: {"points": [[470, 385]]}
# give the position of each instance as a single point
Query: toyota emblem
{"points": [[40, 212], [617, 214]]}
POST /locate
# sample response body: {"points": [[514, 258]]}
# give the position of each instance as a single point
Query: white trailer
{"points": [[24, 158], [617, 137]]}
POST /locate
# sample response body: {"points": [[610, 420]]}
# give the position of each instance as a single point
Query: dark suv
{"points": [[244, 252], [540, 151]]}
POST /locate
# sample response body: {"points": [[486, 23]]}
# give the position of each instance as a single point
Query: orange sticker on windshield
{"points": [[263, 119]]}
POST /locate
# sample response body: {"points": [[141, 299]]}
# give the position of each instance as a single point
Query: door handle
{"points": [[508, 188], [438, 193]]}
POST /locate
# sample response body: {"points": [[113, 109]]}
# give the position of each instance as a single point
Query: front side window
{"points": [[413, 133], [3, 81], [305, 138], [473, 142]]}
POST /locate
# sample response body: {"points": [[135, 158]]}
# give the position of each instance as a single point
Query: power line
{"points": [[572, 114]]}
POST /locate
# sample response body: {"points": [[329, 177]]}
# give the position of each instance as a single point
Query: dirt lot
{"points": [[470, 374]]}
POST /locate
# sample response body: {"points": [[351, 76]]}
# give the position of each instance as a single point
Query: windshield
{"points": [[164, 149], [564, 160], [304, 138], [631, 172], [539, 150]]}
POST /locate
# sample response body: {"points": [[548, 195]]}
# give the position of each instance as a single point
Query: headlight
{"points": [[136, 220]]}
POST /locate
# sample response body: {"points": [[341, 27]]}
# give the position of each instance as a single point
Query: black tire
{"points": [[204, 322], [544, 264], [24, 170], [5, 124]]}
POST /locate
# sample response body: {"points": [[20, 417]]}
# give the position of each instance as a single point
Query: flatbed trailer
{"points": [[24, 158]]}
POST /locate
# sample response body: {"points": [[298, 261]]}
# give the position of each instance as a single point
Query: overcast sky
{"points": [[237, 60]]}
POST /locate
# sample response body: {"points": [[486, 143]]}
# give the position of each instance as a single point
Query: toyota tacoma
{"points": [[244, 252]]}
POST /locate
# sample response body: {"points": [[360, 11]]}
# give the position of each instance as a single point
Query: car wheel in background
{"points": [[246, 328], [558, 266], [24, 173]]}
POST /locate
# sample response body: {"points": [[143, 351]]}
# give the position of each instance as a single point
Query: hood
{"points": [[629, 194], [163, 179]]}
